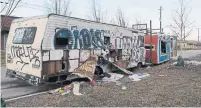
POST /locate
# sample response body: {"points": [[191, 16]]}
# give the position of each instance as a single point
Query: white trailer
{"points": [[50, 48]]}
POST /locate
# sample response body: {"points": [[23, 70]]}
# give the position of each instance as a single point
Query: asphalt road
{"points": [[11, 87]]}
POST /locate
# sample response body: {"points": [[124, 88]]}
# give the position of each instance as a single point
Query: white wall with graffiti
{"points": [[84, 37], [23, 49], [54, 44]]}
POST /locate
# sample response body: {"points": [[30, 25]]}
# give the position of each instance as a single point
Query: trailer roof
{"points": [[87, 20], [29, 18], [49, 15]]}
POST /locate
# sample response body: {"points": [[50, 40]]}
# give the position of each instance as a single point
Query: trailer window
{"points": [[24, 35], [141, 39], [106, 40], [163, 47], [63, 39]]}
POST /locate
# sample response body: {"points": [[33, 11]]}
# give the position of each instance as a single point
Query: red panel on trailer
{"points": [[154, 50]]}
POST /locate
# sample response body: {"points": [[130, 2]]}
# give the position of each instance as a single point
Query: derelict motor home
{"points": [[51, 48]]}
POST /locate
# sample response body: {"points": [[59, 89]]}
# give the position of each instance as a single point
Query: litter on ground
{"points": [[113, 77], [76, 88], [162, 75], [138, 77], [193, 62], [123, 87]]}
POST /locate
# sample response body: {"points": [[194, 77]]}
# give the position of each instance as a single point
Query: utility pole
{"points": [[150, 41], [160, 19], [198, 35]]}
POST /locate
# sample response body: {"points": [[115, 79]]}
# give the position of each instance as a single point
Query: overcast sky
{"points": [[145, 10]]}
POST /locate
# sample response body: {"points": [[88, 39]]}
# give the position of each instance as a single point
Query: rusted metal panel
{"points": [[87, 69]]}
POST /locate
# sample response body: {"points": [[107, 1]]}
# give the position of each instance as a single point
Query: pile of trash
{"points": [[74, 87]]}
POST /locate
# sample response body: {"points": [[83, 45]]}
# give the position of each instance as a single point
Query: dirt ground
{"points": [[167, 86]]}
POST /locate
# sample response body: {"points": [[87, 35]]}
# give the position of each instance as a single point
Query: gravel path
{"points": [[167, 86]]}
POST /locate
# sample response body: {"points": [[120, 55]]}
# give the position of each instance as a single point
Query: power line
{"points": [[34, 8], [34, 5], [160, 19]]}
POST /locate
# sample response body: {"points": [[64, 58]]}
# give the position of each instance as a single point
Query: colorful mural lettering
{"points": [[83, 39]]}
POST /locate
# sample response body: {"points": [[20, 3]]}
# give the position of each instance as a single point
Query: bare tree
{"points": [[97, 14], [60, 7], [8, 9], [121, 18], [181, 25], [139, 21]]}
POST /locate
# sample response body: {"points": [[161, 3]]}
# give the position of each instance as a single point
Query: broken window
{"points": [[163, 47], [24, 35], [106, 40], [63, 38]]}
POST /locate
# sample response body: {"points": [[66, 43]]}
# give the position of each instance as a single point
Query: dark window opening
{"points": [[163, 47], [63, 38], [61, 41], [141, 41], [106, 40], [24, 35], [172, 43], [149, 47]]}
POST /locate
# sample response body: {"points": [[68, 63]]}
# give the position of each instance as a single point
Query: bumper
{"points": [[33, 80]]}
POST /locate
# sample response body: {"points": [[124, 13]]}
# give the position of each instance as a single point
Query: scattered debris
{"points": [[162, 75], [174, 63], [118, 83], [76, 88], [148, 67], [138, 77], [113, 77], [66, 92], [62, 90], [123, 87], [193, 62]]}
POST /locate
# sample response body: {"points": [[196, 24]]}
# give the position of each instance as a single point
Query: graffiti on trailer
{"points": [[94, 39], [80, 39], [132, 47], [25, 56]]}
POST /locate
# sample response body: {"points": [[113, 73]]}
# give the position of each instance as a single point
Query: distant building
{"points": [[5, 27], [189, 44]]}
